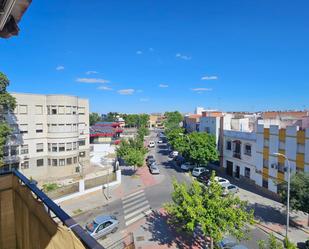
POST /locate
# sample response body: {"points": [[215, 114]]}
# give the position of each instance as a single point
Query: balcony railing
{"points": [[53, 208], [237, 155]]}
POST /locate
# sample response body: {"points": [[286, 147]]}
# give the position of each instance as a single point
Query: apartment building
{"points": [[290, 141], [239, 154], [50, 135]]}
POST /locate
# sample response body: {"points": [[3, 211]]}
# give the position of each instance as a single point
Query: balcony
{"points": [[237, 155], [26, 206]]}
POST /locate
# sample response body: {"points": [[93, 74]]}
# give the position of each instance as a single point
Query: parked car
{"points": [[187, 166], [230, 243], [149, 157], [151, 144], [204, 177], [222, 181], [198, 170], [150, 161], [154, 169], [231, 188], [102, 225], [160, 141], [173, 154], [179, 160]]}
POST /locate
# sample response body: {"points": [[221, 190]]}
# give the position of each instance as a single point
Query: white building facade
{"points": [[291, 142], [50, 136], [239, 153]]}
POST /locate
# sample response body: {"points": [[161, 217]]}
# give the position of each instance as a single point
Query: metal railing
{"points": [[59, 213]]}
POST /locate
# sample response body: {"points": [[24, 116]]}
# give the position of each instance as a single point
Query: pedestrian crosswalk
{"points": [[135, 207]]}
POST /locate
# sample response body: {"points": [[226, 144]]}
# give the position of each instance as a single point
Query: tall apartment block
{"points": [[292, 142], [50, 136]]}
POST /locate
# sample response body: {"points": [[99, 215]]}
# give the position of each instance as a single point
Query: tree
{"points": [[199, 206], [134, 157], [172, 120], [202, 148], [7, 105], [143, 131], [272, 243], [111, 117], [94, 118], [299, 192], [177, 140]]}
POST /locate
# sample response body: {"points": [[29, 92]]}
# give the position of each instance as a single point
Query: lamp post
{"points": [[288, 194]]}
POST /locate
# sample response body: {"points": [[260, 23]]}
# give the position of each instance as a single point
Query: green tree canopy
{"points": [[7, 104], [172, 120], [94, 118], [196, 205], [299, 191]]}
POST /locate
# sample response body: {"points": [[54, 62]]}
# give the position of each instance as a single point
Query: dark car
{"points": [[204, 177], [150, 161], [179, 160], [149, 157]]}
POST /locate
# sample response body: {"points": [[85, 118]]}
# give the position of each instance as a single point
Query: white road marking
{"points": [[136, 212], [140, 216]]}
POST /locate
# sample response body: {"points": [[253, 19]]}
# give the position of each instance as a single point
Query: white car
{"points": [[198, 170], [160, 141], [231, 188], [187, 166], [174, 154], [222, 181], [151, 144]]}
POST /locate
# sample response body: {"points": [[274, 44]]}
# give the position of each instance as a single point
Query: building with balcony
{"points": [[291, 141], [239, 154], [50, 136]]}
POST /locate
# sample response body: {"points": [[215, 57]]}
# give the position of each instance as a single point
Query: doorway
{"points": [[229, 168], [237, 172]]}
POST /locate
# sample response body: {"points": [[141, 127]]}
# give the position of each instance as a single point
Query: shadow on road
{"points": [[128, 171], [165, 234]]}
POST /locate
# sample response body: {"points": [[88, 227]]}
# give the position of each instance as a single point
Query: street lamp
{"points": [[288, 194]]}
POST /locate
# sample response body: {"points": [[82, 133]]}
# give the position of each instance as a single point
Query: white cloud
{"points": [[91, 72], [126, 91], [139, 52], [212, 77], [92, 80], [59, 68], [105, 88], [143, 99], [163, 85], [201, 89], [183, 57]]}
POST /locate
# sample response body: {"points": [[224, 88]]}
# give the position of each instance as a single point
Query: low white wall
{"points": [[82, 190]]}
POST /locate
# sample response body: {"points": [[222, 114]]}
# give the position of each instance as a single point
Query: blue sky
{"points": [[157, 55]]}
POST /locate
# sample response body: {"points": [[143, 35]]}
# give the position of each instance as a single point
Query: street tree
{"points": [[172, 120], [134, 158], [94, 118], [7, 105], [271, 243], [177, 139], [204, 207], [299, 192], [201, 148]]}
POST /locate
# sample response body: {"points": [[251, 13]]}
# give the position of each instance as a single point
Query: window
{"points": [[54, 148], [74, 127], [74, 111], [14, 150], [75, 159], [48, 161], [54, 162], [248, 149], [265, 163], [6, 151], [247, 172], [25, 165], [228, 145], [39, 147], [61, 162], [39, 128], [48, 110], [281, 167], [74, 145], [49, 147], [69, 146], [61, 128], [82, 142], [23, 109], [81, 110], [38, 109], [23, 128], [24, 149], [82, 154], [68, 110], [69, 161], [61, 109], [39, 162], [265, 183], [62, 147], [54, 110]]}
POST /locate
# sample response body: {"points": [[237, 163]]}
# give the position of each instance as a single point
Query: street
{"points": [[139, 208]]}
